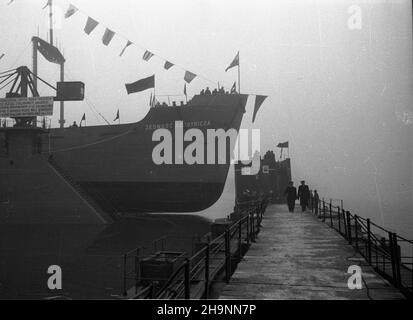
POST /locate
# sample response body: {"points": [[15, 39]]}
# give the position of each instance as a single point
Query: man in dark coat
{"points": [[316, 201], [291, 194], [303, 195]]}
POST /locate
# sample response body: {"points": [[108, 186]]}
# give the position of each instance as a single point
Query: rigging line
{"points": [[21, 54], [10, 75], [87, 100], [93, 143], [8, 71], [143, 48], [7, 84]]}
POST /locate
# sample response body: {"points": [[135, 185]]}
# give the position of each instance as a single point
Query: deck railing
{"points": [[193, 277], [384, 250]]}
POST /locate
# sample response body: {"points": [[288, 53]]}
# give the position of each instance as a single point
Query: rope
{"points": [[144, 48]]}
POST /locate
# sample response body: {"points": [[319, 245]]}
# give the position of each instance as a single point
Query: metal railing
{"points": [[193, 277], [385, 251]]}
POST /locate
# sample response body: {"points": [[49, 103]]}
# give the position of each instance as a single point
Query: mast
{"points": [[50, 4]]}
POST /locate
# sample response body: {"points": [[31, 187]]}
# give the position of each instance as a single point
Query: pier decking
{"points": [[296, 256]]}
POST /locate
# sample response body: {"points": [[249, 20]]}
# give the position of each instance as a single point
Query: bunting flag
{"points": [[147, 55], [234, 88], [117, 116], [141, 85], [71, 11], [46, 5], [234, 62], [283, 145], [258, 102], [90, 25], [168, 65], [49, 52], [189, 76], [108, 36], [124, 48]]}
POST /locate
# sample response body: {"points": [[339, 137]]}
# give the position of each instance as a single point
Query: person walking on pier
{"points": [[316, 201], [291, 194], [303, 195]]}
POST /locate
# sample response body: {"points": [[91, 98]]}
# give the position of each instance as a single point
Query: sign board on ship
{"points": [[26, 107]]}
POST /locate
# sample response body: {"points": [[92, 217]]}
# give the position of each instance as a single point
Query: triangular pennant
{"points": [[234, 62], [108, 36], [168, 65], [189, 76], [124, 48], [71, 11], [147, 55], [234, 88], [46, 5], [117, 116], [91, 24], [258, 102]]}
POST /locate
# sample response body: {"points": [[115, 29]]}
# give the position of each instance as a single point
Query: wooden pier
{"points": [[297, 256]]}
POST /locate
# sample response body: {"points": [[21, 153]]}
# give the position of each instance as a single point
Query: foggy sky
{"points": [[343, 98]]}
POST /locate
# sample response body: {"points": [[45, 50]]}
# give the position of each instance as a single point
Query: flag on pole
{"points": [[83, 118], [108, 36], [124, 48], [168, 65], [189, 76], [71, 11], [117, 116], [234, 62], [141, 85], [234, 88], [283, 145], [91, 24], [147, 55], [258, 102]]}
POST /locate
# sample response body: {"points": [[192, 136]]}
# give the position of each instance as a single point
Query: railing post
{"points": [[239, 238], [397, 261], [137, 269], [187, 279], [207, 271], [324, 211], [125, 293], [248, 229], [331, 213], [356, 231], [339, 219], [350, 241], [368, 240], [227, 257], [392, 258]]}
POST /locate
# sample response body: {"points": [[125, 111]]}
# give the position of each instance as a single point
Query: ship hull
{"points": [[114, 165]]}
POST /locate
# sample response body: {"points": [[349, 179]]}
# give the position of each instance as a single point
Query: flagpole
{"points": [[239, 74]]}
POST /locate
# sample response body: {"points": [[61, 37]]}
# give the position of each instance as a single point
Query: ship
{"points": [[97, 173]]}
